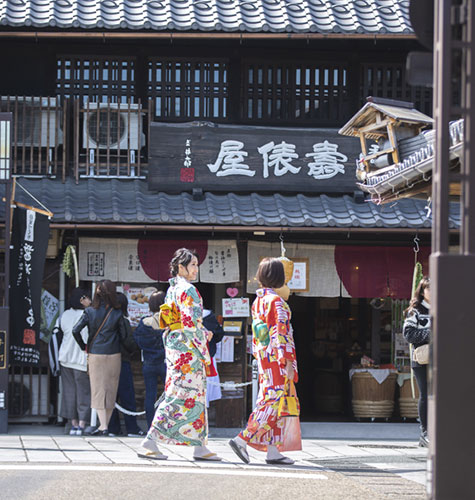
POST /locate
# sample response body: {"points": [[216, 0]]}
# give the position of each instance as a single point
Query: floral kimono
{"points": [[272, 349], [180, 417]]}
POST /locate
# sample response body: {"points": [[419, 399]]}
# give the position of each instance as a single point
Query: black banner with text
{"points": [[30, 232]]}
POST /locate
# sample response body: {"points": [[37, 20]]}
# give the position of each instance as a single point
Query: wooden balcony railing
{"points": [[38, 135], [110, 139]]}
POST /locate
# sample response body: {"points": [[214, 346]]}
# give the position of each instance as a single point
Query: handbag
{"points": [[289, 403], [421, 354]]}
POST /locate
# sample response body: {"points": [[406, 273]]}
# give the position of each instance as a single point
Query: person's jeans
{"points": [[126, 399], [420, 372], [151, 372]]}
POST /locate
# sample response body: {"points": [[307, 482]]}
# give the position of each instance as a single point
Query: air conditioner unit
{"points": [[36, 120], [112, 126]]}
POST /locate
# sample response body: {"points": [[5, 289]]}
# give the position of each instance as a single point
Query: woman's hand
{"points": [[289, 369], [209, 335]]}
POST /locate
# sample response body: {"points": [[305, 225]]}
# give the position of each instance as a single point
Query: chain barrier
{"points": [[229, 385], [128, 412]]}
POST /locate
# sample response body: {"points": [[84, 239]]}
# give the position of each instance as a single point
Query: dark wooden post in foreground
{"points": [[452, 386]]}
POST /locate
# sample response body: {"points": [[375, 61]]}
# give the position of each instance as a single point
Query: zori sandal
{"points": [[209, 457], [152, 455]]}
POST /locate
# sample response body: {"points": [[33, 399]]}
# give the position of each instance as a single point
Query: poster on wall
{"points": [[138, 298], [299, 281], [49, 314], [236, 308], [225, 350]]}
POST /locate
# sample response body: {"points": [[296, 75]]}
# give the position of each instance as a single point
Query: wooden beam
{"points": [[393, 141], [374, 126]]}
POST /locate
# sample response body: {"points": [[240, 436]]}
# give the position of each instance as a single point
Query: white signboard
{"points": [[236, 308], [299, 281], [225, 350]]}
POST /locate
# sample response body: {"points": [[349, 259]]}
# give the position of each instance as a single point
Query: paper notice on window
{"points": [[226, 349]]}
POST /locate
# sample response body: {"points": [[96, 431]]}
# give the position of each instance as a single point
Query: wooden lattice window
{"points": [[389, 80], [295, 92], [188, 89], [97, 79]]}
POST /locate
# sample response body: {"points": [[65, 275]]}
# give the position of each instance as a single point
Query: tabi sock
{"points": [[273, 453], [240, 441]]}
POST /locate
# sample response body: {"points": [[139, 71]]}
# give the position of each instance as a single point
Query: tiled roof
{"points": [[130, 202], [301, 16]]}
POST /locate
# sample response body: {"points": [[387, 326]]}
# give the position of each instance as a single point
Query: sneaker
{"points": [[79, 431], [139, 433], [424, 440], [73, 431]]}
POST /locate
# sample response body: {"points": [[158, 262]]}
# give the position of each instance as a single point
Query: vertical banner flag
{"points": [[30, 231]]}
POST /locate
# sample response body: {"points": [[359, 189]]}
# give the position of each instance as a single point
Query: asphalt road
{"points": [[132, 485]]}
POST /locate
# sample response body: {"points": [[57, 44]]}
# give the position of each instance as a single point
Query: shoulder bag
{"points": [[421, 354], [96, 334]]}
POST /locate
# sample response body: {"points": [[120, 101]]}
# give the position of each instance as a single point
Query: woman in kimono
{"points": [[273, 347], [181, 417]]}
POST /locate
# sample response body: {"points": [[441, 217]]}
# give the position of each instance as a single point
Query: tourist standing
{"points": [[106, 327], [75, 390], [417, 331]]}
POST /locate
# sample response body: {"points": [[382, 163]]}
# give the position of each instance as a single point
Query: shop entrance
{"points": [[330, 335]]}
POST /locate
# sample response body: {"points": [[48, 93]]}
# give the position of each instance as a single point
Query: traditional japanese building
{"points": [[145, 126]]}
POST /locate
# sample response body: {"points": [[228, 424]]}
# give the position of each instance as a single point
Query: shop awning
{"points": [[130, 202]]}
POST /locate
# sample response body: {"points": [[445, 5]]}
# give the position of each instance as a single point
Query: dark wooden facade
{"points": [[310, 83]]}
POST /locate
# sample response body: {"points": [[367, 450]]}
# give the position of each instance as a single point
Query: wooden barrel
{"points": [[408, 404], [371, 399]]}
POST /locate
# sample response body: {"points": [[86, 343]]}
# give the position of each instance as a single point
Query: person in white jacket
{"points": [[76, 391]]}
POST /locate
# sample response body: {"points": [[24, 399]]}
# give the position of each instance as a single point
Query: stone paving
{"points": [[376, 463], [383, 459]]}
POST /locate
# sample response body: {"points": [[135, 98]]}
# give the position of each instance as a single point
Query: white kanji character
{"points": [[280, 158], [325, 161], [28, 250], [230, 157]]}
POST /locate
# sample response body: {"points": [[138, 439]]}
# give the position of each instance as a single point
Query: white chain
{"points": [[229, 385], [225, 385], [128, 412]]}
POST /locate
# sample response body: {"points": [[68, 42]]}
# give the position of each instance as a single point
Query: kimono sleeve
{"points": [[280, 331], [192, 320]]}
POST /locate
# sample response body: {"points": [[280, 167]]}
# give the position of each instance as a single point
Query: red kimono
{"points": [[272, 351]]}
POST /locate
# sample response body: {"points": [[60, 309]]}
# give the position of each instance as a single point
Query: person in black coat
{"points": [[213, 391], [107, 330], [148, 336], [126, 390], [211, 323], [417, 331]]}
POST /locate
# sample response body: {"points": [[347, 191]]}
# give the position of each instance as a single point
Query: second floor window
{"points": [[389, 80], [295, 93], [97, 79], [187, 90]]}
